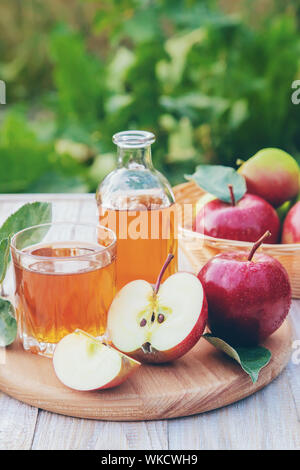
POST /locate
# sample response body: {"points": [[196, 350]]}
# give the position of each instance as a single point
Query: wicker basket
{"points": [[200, 248]]}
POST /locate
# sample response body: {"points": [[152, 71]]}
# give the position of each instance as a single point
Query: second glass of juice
{"points": [[137, 202], [64, 282]]}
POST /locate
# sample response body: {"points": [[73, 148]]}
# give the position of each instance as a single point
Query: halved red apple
{"points": [[158, 324], [82, 362]]}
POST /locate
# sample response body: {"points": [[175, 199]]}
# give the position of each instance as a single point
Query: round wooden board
{"points": [[204, 379]]}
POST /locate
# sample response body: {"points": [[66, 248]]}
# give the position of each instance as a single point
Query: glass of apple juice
{"points": [[64, 282]]}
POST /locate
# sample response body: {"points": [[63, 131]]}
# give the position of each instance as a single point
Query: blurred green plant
{"points": [[78, 78], [213, 86]]}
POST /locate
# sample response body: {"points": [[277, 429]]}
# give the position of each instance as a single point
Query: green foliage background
{"points": [[211, 79]]}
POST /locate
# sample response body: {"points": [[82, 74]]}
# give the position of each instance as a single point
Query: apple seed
{"points": [[143, 322], [160, 318], [153, 317]]}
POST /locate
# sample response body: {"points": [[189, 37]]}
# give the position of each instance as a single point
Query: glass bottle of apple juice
{"points": [[137, 203]]}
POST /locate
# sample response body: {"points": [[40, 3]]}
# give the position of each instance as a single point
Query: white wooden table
{"points": [[270, 419]]}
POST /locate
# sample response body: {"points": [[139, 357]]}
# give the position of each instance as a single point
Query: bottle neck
{"points": [[135, 158]]}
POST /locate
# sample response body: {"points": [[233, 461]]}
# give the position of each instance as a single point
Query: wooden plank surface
{"points": [[202, 380], [270, 419], [73, 433]]}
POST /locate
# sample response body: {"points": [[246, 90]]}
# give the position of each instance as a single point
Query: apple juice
{"points": [[54, 298], [137, 202], [144, 240]]}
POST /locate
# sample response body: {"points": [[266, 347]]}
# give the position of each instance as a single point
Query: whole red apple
{"points": [[273, 175], [246, 220], [248, 296], [291, 226]]}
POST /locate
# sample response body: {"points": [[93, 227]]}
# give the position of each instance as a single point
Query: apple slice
{"points": [[158, 324], [83, 363]]}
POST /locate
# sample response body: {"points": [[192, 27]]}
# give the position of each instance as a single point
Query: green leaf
{"points": [[79, 77], [215, 180], [251, 359], [4, 257], [8, 324], [144, 26], [30, 214]]}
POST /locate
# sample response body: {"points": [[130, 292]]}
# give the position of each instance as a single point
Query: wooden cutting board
{"points": [[204, 379]]}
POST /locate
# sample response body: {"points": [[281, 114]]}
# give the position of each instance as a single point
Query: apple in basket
{"points": [[273, 175], [158, 324], [291, 226], [245, 220]]}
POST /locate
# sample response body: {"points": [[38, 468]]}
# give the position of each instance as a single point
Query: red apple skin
{"points": [[247, 221], [291, 226], [247, 300], [160, 357], [128, 368]]}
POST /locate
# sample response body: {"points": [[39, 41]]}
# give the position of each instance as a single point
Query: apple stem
{"points": [[230, 187], [257, 244], [162, 272]]}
